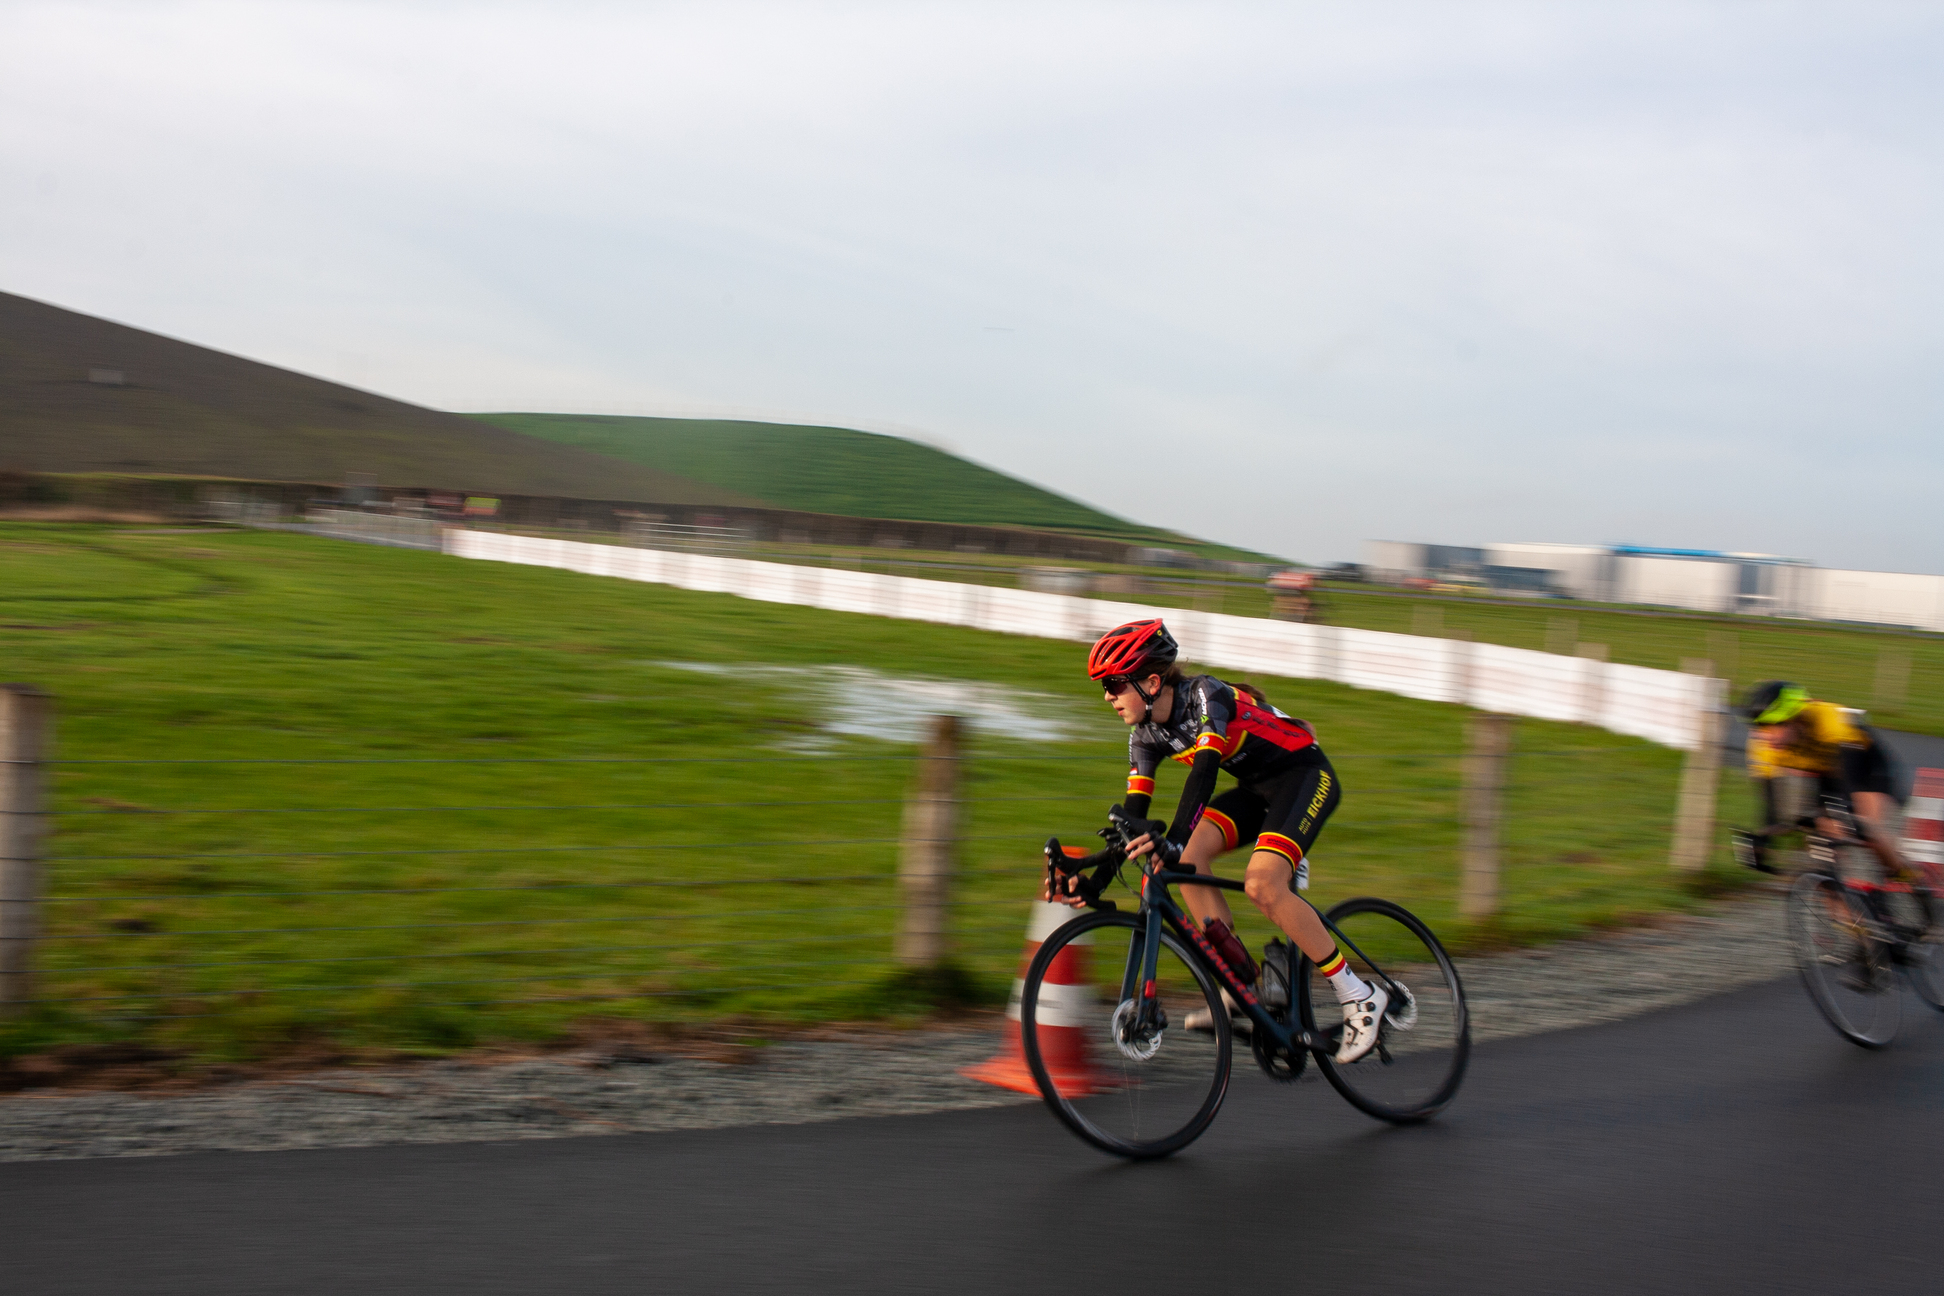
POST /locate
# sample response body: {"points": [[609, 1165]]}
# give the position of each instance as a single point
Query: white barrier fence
{"points": [[1665, 707]]}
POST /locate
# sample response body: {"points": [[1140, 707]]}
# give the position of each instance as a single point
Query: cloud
{"points": [[1319, 273]]}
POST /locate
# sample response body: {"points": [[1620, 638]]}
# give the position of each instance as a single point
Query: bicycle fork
{"points": [[1138, 978]]}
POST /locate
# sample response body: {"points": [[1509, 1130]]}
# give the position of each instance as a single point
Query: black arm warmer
{"points": [[1136, 805], [1195, 794], [1768, 802]]}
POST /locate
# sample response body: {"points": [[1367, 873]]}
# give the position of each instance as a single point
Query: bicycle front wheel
{"points": [[1846, 969], [1137, 1087], [1425, 1044], [1911, 911]]}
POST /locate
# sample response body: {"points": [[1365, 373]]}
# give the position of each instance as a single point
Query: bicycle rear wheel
{"points": [[1421, 1055], [1847, 971], [1137, 1093]]}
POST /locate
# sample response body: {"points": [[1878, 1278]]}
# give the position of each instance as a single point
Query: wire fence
{"points": [[437, 897]]}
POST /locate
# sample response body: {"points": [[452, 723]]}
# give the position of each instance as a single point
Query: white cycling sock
{"points": [[1349, 987]]}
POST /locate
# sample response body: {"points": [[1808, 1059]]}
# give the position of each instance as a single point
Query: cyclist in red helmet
{"points": [[1285, 791]]}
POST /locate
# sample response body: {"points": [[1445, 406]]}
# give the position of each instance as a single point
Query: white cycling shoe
{"points": [[1363, 1019]]}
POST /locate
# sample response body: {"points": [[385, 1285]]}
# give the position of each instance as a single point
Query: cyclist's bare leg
{"points": [[1874, 809], [1199, 854], [1268, 884]]}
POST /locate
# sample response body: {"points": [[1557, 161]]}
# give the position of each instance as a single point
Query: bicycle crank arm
{"points": [[1272, 1029]]}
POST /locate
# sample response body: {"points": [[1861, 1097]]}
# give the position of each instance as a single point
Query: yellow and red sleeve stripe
{"points": [[1139, 784], [1281, 845], [1230, 837], [1332, 965], [1208, 742]]}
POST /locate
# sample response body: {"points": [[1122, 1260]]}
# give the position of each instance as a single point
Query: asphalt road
{"points": [[1734, 1145]]}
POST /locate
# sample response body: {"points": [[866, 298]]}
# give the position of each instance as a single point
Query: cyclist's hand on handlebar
{"points": [[1837, 830], [1073, 890], [1155, 843], [1067, 878]]}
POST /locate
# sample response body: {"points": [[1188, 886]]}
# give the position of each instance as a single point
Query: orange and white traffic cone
{"points": [[1061, 1018], [1923, 840]]}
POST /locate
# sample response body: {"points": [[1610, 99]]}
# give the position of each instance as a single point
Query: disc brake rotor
{"points": [[1403, 1010], [1138, 1042]]}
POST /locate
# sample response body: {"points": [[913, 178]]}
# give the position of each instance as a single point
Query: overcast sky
{"points": [[1290, 276]]}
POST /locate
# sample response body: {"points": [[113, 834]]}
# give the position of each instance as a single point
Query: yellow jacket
{"points": [[1830, 729]]}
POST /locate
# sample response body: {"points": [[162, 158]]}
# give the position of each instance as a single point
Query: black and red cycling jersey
{"points": [[1255, 742], [1286, 789]]}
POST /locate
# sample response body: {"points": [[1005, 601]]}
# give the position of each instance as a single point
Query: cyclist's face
{"points": [[1777, 735], [1127, 703]]}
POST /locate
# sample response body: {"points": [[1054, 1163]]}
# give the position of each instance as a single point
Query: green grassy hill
{"points": [[184, 409], [84, 395], [828, 470]]}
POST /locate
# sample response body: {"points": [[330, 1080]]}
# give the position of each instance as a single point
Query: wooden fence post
{"points": [[1458, 653], [1484, 786], [1593, 682], [26, 725], [1694, 814], [929, 853]]}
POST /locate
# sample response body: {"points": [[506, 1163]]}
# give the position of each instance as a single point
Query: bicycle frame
{"points": [[1158, 907]]}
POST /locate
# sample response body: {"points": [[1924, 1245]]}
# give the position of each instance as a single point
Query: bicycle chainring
{"points": [[1282, 1065]]}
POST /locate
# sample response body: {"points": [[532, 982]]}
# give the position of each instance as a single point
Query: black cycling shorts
{"points": [[1283, 814]]}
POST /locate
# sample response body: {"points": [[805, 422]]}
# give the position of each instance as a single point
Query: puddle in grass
{"points": [[854, 701]]}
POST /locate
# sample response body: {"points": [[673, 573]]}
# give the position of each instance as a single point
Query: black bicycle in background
{"points": [[1857, 932], [1126, 981]]}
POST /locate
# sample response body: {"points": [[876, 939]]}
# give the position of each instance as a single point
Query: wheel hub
{"points": [[1134, 1039]]}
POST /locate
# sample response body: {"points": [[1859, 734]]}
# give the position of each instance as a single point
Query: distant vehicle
{"points": [[1292, 595]]}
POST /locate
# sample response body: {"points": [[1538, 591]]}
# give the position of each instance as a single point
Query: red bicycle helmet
{"points": [[1133, 650]]}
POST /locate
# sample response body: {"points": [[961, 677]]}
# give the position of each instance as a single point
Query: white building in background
{"points": [[1693, 579]]}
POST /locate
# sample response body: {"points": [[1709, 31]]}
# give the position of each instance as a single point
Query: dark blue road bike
{"points": [[1156, 1086]]}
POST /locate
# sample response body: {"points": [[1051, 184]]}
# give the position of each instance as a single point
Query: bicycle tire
{"points": [[1924, 969], [1920, 956], [1846, 971], [1132, 1106], [1416, 1080]]}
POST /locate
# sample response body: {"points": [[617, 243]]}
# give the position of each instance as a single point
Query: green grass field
{"points": [[474, 801], [827, 470]]}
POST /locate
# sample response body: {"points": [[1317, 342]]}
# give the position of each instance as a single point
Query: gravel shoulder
{"points": [[1576, 983]]}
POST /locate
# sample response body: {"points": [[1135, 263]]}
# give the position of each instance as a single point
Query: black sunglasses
{"points": [[1115, 685]]}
